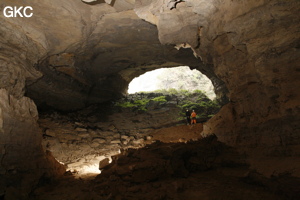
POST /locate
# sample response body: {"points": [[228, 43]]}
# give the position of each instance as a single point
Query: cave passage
{"points": [[83, 139], [76, 60]]}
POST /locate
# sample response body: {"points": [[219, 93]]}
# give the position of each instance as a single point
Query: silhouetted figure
{"points": [[188, 117], [172, 4]]}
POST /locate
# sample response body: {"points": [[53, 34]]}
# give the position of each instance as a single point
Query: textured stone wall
{"points": [[253, 46], [20, 141], [22, 160], [89, 52], [255, 51], [250, 48]]}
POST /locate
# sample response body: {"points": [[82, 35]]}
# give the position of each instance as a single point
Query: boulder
{"points": [[104, 163], [99, 140], [50, 132]]}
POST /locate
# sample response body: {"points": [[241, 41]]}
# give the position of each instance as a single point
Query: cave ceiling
{"points": [[74, 53], [88, 51]]}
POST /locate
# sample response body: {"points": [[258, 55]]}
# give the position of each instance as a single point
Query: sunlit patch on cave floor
{"points": [[174, 134], [180, 78], [88, 169]]}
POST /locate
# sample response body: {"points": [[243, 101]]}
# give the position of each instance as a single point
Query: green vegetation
{"points": [[174, 92], [198, 101], [125, 104], [203, 107], [159, 99], [141, 104], [138, 104], [191, 100]]}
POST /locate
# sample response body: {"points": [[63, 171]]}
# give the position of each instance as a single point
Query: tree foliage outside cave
{"points": [[181, 78], [194, 100]]}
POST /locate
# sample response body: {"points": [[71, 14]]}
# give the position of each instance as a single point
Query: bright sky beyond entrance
{"points": [[180, 78]]}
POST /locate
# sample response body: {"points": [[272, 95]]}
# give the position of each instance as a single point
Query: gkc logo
{"points": [[15, 11]]}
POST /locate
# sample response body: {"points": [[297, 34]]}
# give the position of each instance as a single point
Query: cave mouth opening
{"points": [[178, 78], [83, 140]]}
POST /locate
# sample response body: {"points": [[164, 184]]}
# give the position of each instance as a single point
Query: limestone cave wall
{"points": [[22, 159], [71, 54], [253, 46], [255, 51]]}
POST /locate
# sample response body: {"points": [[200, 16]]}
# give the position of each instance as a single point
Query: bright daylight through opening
{"points": [[179, 78]]}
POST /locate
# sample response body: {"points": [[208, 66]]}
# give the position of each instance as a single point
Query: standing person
{"points": [[193, 116], [188, 117]]}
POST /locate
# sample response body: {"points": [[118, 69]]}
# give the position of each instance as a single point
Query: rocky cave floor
{"points": [[149, 160]]}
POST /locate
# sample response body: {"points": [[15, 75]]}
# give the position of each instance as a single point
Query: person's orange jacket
{"points": [[193, 114]]}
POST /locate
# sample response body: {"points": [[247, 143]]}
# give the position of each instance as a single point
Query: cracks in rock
{"points": [[230, 41], [93, 2], [2, 153], [199, 37], [240, 50], [221, 34], [93, 27], [174, 3]]}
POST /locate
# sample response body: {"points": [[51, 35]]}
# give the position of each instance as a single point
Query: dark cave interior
{"points": [[73, 55]]}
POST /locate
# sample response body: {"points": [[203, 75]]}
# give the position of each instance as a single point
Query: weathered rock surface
{"points": [[88, 53], [253, 47], [77, 142], [23, 161], [194, 170], [91, 53], [254, 58]]}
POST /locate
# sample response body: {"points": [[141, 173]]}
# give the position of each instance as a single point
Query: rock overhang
{"points": [[88, 53], [110, 46], [253, 46]]}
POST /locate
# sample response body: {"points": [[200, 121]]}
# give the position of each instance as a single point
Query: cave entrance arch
{"points": [[178, 78], [181, 87], [82, 141]]}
